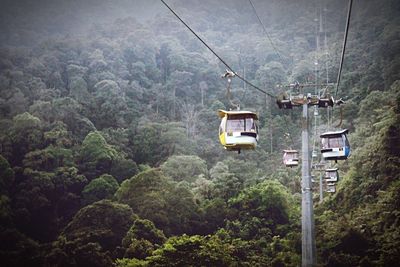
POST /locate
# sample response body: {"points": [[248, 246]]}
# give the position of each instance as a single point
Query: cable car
{"points": [[330, 188], [318, 166], [238, 129], [335, 145], [312, 178], [326, 101], [290, 158], [331, 175], [314, 154]]}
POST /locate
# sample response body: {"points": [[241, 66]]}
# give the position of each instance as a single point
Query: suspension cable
{"points": [[265, 31], [209, 48], [344, 46]]}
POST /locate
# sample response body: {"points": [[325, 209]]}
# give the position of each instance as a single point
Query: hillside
{"points": [[109, 150]]}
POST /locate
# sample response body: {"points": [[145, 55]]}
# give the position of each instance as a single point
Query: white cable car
{"points": [[314, 154], [330, 188], [331, 175], [313, 179], [335, 145], [290, 158], [238, 129]]}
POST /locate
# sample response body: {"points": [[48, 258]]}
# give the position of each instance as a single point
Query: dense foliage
{"points": [[108, 134]]}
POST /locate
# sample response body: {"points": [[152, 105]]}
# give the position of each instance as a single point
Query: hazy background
{"points": [[109, 151]]}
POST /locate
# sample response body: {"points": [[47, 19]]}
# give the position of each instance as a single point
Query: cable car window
{"points": [[250, 125], [332, 142], [235, 125], [240, 123], [332, 174], [290, 156], [336, 142], [222, 126]]}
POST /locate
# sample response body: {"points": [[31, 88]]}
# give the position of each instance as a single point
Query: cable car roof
{"points": [[333, 134], [331, 170], [222, 113], [290, 151]]}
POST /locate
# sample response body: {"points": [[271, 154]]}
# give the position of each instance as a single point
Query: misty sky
{"points": [[62, 17]]}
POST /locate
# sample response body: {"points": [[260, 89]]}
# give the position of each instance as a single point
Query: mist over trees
{"points": [[109, 152]]}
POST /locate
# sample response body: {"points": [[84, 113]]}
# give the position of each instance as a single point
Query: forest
{"points": [[109, 150]]}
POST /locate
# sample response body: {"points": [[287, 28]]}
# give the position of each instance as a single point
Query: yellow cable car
{"points": [[238, 129]]}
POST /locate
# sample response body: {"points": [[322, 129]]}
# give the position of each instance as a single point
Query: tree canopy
{"points": [[109, 150]]}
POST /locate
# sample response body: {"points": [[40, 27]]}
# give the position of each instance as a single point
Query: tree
{"points": [[78, 88], [267, 204], [184, 168], [180, 83], [214, 214], [190, 116], [93, 236], [123, 169], [6, 183], [145, 194], [69, 111], [100, 188], [26, 135], [59, 135], [105, 222], [43, 110], [67, 195], [110, 103], [96, 156], [193, 251], [155, 197], [141, 239], [17, 103], [6, 176], [203, 188], [46, 201], [271, 74], [49, 158], [154, 142], [227, 184], [19, 250]]}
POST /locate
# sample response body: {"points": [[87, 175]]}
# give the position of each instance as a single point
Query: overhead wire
{"points": [[344, 47], [209, 48], [275, 49], [266, 32]]}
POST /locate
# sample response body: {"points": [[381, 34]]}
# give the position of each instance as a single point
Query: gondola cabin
{"points": [[314, 154], [312, 178], [238, 129], [331, 175], [290, 158], [335, 145], [330, 188]]}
